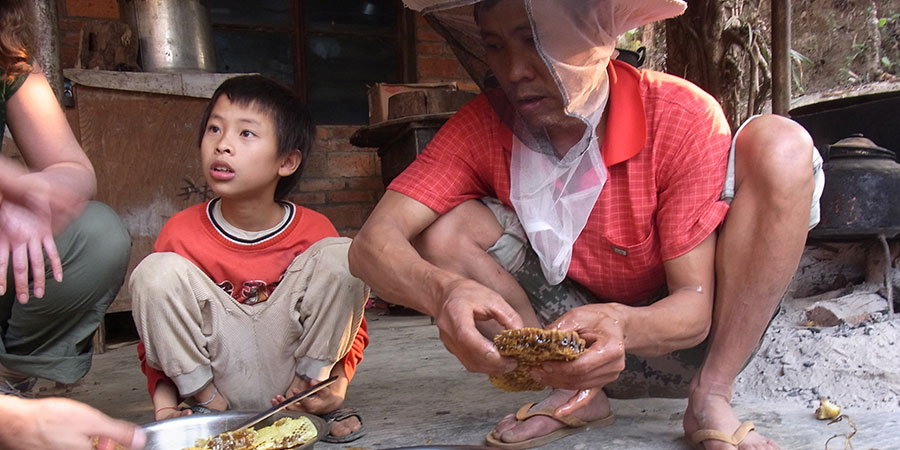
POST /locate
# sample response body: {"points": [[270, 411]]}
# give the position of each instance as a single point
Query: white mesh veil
{"points": [[552, 190]]}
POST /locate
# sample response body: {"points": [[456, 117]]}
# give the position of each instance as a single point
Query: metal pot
{"points": [[860, 198], [174, 35], [183, 432]]}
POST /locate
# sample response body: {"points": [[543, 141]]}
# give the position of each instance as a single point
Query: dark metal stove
{"points": [[858, 137]]}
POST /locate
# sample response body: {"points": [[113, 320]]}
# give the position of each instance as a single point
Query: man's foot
{"points": [[511, 430], [707, 411]]}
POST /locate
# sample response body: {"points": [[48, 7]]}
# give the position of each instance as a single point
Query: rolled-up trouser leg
{"points": [[51, 337]]}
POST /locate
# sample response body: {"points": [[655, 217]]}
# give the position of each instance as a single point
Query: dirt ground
{"points": [[411, 391], [856, 367]]}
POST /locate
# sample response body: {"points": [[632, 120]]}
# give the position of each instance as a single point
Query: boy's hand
{"points": [[171, 412], [324, 401], [297, 386]]}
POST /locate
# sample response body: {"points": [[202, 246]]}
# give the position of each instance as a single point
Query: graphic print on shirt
{"points": [[255, 291], [251, 292]]}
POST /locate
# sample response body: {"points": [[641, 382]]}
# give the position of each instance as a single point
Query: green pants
{"points": [[52, 337]]}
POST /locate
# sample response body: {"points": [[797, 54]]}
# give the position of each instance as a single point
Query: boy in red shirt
{"points": [[247, 298]]}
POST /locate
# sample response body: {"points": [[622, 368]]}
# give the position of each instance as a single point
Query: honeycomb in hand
{"points": [[530, 347]]}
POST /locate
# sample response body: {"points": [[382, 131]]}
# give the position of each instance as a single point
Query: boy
{"points": [[247, 298]]}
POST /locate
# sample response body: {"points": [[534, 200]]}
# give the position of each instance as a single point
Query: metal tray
{"points": [[182, 432]]}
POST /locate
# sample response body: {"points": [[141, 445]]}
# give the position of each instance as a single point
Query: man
{"points": [[605, 214]]}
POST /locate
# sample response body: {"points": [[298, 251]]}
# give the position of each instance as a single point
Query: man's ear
{"points": [[290, 163]]}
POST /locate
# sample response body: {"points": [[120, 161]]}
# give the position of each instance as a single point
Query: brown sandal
{"points": [[573, 425], [735, 439]]}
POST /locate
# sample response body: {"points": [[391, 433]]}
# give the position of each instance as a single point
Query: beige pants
{"points": [[196, 333]]}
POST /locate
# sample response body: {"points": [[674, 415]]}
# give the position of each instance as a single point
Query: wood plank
{"points": [[144, 150]]}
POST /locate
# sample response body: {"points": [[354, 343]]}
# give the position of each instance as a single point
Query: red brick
{"points": [[315, 165], [309, 198], [71, 24], [351, 197], [322, 133], [433, 49], [441, 68], [68, 56], [468, 85], [343, 216], [356, 164], [69, 38], [428, 35], [310, 184], [108, 9], [342, 131], [365, 183], [335, 145]]}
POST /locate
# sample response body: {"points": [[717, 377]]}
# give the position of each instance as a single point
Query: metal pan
{"points": [[445, 447], [183, 432]]}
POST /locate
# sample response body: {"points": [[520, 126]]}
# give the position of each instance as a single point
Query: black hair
{"points": [[483, 6], [293, 123]]}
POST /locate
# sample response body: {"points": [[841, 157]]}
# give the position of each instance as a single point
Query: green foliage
{"points": [[799, 60], [884, 21]]}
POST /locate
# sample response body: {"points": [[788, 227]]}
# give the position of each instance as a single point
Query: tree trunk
{"points": [[719, 46]]}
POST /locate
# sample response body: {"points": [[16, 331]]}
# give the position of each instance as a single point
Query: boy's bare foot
{"points": [[510, 430], [345, 426], [211, 398], [707, 410], [171, 413]]}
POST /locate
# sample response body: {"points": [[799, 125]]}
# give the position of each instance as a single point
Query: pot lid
{"points": [[859, 145]]}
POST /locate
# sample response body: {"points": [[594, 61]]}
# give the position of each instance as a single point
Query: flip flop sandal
{"points": [[735, 439], [339, 415], [573, 425]]}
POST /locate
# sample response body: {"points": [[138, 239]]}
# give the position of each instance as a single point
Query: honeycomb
{"points": [[285, 433], [530, 347]]}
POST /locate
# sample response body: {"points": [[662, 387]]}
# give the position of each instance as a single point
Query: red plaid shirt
{"points": [[666, 149]]}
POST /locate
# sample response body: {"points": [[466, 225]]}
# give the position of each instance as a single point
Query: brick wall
{"points": [[340, 180], [436, 62]]}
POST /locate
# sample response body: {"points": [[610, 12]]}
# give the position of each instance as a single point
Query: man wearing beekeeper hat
{"points": [[581, 194]]}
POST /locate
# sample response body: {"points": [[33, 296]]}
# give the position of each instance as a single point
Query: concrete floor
{"points": [[412, 392]]}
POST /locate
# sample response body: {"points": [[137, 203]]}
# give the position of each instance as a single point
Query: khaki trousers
{"points": [[196, 333]]}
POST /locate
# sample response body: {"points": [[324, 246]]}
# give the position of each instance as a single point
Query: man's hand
{"points": [[465, 303], [57, 423], [604, 358]]}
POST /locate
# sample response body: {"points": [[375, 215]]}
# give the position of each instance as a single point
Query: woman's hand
{"points": [[58, 423]]}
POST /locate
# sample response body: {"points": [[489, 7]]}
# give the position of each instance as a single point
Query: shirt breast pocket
{"points": [[636, 249]]}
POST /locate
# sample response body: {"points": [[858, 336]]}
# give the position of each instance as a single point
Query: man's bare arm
{"points": [[382, 255], [682, 319]]}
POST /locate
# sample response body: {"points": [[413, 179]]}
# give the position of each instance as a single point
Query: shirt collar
{"points": [[626, 126]]}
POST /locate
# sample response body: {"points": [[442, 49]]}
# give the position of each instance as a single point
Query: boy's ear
{"points": [[290, 163]]}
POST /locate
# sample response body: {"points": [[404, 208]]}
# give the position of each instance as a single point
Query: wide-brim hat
{"points": [[638, 12]]}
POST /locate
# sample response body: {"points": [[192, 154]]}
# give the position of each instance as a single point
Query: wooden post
{"points": [[781, 56], [44, 18]]}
